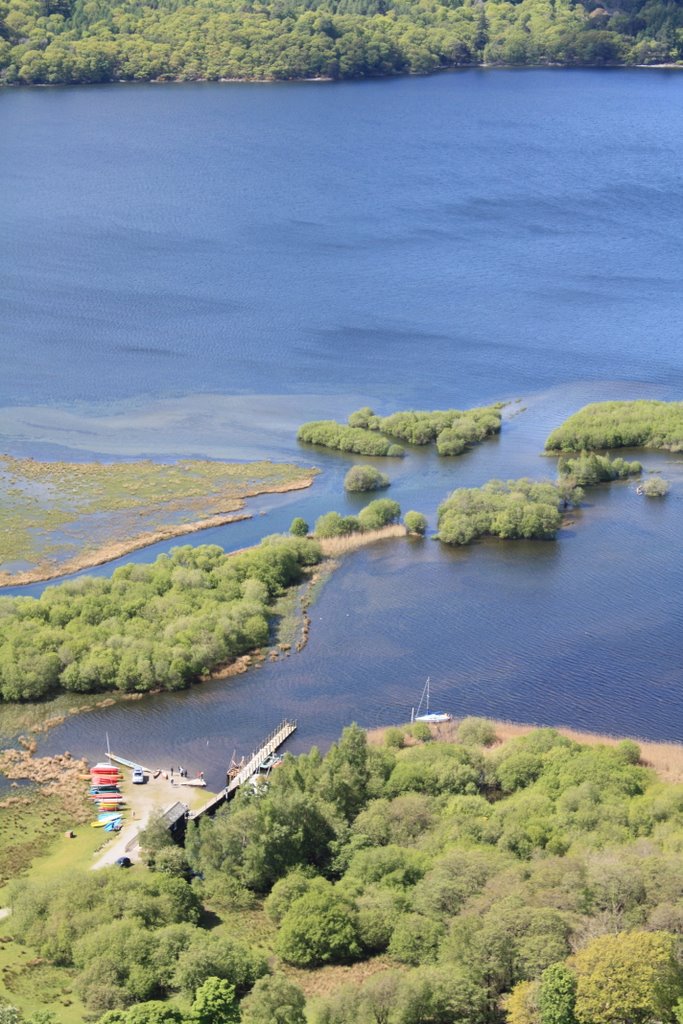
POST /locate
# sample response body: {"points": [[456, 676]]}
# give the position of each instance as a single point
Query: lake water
{"points": [[195, 269]]}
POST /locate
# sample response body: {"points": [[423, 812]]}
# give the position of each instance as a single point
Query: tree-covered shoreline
{"points": [[80, 41]]}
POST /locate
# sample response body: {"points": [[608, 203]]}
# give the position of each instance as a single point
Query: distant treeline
{"points": [[112, 40], [639, 424], [159, 625], [453, 430]]}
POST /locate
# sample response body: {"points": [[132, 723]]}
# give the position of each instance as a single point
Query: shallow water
{"points": [[193, 270]]}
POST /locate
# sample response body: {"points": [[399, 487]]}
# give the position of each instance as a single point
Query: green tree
{"points": [[415, 522], [628, 978], [365, 478], [557, 995], [215, 1003], [379, 513], [298, 527], [274, 1000], [319, 928]]}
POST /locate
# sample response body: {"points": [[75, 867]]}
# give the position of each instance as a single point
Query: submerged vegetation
{"points": [[638, 424], [453, 430], [43, 41], [511, 509], [57, 517], [534, 882], [161, 625]]}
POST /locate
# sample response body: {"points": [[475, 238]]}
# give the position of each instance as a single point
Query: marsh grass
{"points": [[58, 516]]}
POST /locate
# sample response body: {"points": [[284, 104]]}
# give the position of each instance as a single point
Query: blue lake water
{"points": [[194, 269]]}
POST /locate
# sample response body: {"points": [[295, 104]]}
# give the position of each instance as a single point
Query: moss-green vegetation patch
{"points": [[159, 625], [453, 430], [512, 509], [55, 513], [637, 424]]}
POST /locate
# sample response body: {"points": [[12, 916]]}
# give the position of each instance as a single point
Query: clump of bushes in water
{"points": [[588, 469], [378, 514], [654, 487], [453, 430], [365, 478], [511, 510], [415, 522], [148, 626], [331, 434], [638, 424]]}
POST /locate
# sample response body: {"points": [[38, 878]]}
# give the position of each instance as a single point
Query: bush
{"points": [[365, 478], [477, 732], [646, 424], [512, 510], [655, 487], [319, 928], [395, 738], [274, 1000], [379, 513], [346, 439], [588, 469], [298, 527], [415, 522], [421, 731]]}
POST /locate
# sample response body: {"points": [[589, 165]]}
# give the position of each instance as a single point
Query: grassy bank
{"points": [[60, 517]]}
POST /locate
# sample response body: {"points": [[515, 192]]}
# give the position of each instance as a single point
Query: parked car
{"points": [[138, 776], [123, 862]]}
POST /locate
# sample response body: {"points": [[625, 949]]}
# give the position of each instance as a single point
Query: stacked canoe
{"points": [[106, 795]]}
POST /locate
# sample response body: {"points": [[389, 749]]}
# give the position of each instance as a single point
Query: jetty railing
{"points": [[271, 743]]}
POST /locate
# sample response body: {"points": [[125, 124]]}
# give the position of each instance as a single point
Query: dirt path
{"points": [[155, 796]]}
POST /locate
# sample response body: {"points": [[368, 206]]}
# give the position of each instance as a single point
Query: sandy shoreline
{"points": [[118, 549], [665, 758]]}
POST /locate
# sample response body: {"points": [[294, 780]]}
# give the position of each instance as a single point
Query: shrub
{"points": [[642, 423], [477, 732], [415, 522], [394, 737], [298, 527], [319, 928], [346, 439], [361, 417], [588, 469], [379, 513], [514, 509], [365, 478], [655, 487], [421, 731], [274, 1000]]}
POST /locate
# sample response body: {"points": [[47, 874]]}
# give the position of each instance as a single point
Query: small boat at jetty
{"points": [[430, 717]]}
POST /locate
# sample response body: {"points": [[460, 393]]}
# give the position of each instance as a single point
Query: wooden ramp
{"points": [[269, 746]]}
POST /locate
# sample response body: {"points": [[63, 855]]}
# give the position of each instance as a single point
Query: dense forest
{"points": [[112, 40], [157, 625], [535, 882]]}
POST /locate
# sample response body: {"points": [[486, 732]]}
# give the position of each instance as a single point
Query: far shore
{"points": [[326, 79], [118, 549], [665, 758]]}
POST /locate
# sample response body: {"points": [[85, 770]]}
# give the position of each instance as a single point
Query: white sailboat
{"points": [[431, 717]]}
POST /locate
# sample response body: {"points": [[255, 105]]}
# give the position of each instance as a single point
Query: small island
{"points": [[638, 424], [453, 431]]}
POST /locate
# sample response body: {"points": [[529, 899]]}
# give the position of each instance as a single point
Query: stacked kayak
{"points": [[106, 796]]}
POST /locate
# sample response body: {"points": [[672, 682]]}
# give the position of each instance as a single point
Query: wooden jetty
{"points": [[269, 746]]}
